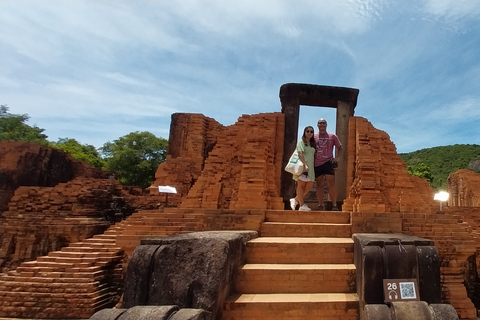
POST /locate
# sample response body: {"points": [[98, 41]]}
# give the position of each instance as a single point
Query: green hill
{"points": [[437, 163]]}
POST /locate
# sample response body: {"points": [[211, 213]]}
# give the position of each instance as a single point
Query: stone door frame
{"points": [[292, 96]]}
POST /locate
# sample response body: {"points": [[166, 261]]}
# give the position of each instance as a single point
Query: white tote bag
{"points": [[294, 165]]}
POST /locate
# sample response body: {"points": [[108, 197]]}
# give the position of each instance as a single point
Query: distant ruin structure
{"points": [[464, 189]]}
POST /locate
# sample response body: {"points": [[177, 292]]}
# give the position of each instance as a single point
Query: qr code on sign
{"points": [[407, 290]]}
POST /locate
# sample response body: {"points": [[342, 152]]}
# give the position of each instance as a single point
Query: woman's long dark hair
{"points": [[312, 141]]}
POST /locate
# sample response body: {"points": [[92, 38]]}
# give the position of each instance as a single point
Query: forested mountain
{"points": [[435, 164]]}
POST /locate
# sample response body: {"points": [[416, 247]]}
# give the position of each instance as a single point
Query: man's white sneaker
{"points": [[304, 208], [293, 203]]}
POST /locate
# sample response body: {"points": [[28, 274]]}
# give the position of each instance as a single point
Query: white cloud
{"points": [[453, 9], [123, 79], [466, 109], [118, 64]]}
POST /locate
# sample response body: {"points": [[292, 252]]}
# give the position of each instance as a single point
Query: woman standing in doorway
{"points": [[306, 152]]}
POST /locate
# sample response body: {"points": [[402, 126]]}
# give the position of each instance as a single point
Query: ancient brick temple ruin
{"points": [[65, 244]]}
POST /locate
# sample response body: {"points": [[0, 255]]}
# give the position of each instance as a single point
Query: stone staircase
{"points": [[153, 223], [300, 268], [84, 276]]}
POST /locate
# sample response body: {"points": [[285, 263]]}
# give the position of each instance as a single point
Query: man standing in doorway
{"points": [[325, 162]]}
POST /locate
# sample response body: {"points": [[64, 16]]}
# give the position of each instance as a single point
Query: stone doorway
{"points": [[292, 96]]}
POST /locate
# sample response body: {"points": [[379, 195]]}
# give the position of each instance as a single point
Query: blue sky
{"points": [[97, 70]]}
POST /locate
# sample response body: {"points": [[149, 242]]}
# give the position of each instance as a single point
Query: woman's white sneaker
{"points": [[293, 203], [304, 208]]}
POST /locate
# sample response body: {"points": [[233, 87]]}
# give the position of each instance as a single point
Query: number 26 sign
{"points": [[400, 290]]}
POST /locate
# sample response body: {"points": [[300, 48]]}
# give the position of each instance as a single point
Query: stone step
{"points": [[86, 249], [79, 261], [29, 276], [150, 229], [67, 285], [181, 211], [76, 310], [100, 242], [114, 230], [59, 297], [307, 216], [92, 242], [52, 278], [105, 238], [299, 250], [162, 219], [77, 254], [42, 267], [162, 215], [95, 244], [290, 229], [296, 278], [133, 235], [292, 306]]}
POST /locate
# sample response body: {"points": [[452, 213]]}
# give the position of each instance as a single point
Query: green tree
{"points": [[84, 152], [13, 127], [445, 160], [135, 157], [420, 170]]}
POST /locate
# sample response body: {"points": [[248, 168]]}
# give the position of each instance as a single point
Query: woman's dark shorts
{"points": [[323, 169]]}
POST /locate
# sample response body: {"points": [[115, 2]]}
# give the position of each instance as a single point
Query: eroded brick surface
{"points": [[464, 189], [232, 167], [383, 197], [192, 137], [377, 176], [31, 164]]}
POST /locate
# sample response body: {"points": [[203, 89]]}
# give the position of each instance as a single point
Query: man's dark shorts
{"points": [[323, 169]]}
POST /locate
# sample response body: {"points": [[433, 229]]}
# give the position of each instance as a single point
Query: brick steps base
{"points": [[74, 282], [299, 250], [291, 229], [292, 306], [300, 268], [308, 216], [295, 278]]}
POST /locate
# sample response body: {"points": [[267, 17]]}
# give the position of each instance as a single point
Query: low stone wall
{"points": [[410, 310], [193, 270], [151, 312]]}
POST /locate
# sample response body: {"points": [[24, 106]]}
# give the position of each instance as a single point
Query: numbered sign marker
{"points": [[400, 290]]}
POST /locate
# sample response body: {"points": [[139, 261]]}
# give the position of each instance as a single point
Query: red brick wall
{"points": [[377, 176], [383, 197], [232, 167], [464, 188]]}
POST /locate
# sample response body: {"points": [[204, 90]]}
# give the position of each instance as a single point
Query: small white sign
{"points": [[167, 189]]}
